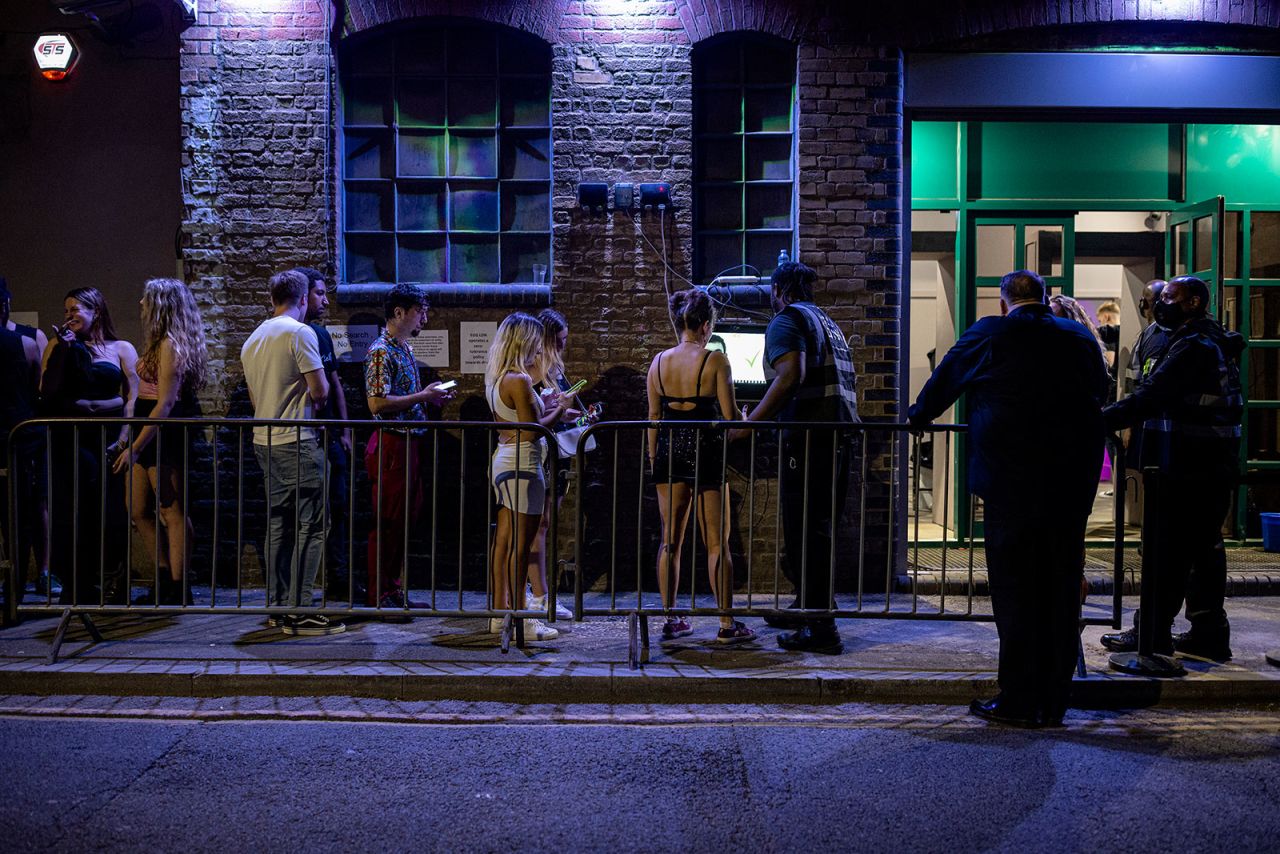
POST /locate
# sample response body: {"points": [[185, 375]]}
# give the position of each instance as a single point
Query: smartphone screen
{"points": [[446, 386]]}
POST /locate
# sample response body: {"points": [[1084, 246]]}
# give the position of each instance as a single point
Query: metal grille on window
{"points": [[744, 206], [446, 156]]}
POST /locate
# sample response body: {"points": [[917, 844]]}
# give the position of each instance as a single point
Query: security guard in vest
{"points": [[1190, 409]]}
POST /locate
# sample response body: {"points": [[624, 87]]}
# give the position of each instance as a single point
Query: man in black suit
{"points": [[1035, 387]]}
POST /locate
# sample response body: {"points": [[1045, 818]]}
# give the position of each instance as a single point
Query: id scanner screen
{"points": [[745, 351]]}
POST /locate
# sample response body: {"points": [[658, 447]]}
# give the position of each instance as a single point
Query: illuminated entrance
{"points": [[1098, 201]]}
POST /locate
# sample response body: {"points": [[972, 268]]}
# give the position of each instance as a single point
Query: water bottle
{"points": [[783, 257]]}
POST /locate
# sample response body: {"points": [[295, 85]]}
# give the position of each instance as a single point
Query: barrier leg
{"points": [[504, 636], [633, 639]]}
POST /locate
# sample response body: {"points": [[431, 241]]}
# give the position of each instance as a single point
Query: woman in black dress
{"points": [[691, 383], [87, 371]]}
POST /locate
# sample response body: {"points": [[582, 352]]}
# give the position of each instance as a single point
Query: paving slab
{"points": [[884, 660]]}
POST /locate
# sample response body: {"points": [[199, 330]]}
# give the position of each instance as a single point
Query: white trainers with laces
{"points": [[539, 631], [539, 603]]}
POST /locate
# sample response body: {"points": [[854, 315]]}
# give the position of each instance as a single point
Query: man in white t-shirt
{"points": [[286, 380]]}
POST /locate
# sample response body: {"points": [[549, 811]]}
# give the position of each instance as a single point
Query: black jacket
{"points": [[1035, 384], [1190, 407]]}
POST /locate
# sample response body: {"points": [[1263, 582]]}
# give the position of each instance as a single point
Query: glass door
{"points": [[989, 245], [1193, 246], [1251, 306]]}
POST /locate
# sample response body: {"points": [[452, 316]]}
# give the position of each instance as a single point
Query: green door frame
{"points": [[1239, 229], [968, 286]]}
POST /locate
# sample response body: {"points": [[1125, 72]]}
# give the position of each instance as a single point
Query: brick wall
{"points": [[258, 164]]}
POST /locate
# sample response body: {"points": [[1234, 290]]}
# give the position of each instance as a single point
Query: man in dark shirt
{"points": [[1035, 387], [814, 381], [19, 382], [1148, 351], [338, 580], [20, 351], [1190, 408]]}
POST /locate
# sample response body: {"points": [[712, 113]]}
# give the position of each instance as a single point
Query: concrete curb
{"points": [[657, 684]]}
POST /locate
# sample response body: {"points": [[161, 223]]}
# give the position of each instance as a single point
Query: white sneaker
{"points": [[495, 625], [538, 630], [539, 603]]}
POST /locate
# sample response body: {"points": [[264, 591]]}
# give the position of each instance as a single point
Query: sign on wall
{"points": [[431, 347], [474, 338], [351, 343]]}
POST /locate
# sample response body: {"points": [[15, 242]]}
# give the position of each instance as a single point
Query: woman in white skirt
{"points": [[517, 470]]}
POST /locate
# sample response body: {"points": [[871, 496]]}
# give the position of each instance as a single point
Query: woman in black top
{"points": [[88, 371], [691, 383]]}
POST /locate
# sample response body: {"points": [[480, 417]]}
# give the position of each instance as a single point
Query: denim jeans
{"points": [[295, 529]]}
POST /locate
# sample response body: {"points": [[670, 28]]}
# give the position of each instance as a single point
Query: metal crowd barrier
{"points": [[876, 537], [66, 463], [876, 548]]}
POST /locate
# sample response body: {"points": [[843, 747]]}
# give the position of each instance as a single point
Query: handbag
{"points": [[568, 439]]}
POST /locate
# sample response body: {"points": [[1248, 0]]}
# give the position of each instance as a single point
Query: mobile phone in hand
{"points": [[447, 385]]}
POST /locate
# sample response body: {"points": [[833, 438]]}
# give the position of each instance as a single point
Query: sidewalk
{"points": [[889, 661]]}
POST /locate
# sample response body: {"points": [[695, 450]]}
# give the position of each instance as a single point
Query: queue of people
{"points": [[1184, 409]]}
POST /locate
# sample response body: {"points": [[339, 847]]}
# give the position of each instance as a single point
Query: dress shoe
{"points": [[785, 621], [821, 639], [999, 710], [1203, 646], [1124, 641]]}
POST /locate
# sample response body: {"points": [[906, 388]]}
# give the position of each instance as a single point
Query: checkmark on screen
{"points": [[752, 361]]}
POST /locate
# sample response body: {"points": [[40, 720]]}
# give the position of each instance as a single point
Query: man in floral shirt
{"points": [[395, 393]]}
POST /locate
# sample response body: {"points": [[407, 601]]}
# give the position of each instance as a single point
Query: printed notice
{"points": [[351, 343], [431, 347], [475, 338]]}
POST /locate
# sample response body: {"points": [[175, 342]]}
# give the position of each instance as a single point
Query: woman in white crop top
{"points": [[517, 474]]}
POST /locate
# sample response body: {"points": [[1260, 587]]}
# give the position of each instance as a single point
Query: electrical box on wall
{"points": [[655, 195], [593, 196], [624, 197]]}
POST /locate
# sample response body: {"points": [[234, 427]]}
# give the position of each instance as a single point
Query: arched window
{"points": [[446, 154], [744, 95]]}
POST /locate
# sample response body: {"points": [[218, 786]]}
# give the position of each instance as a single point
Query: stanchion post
{"points": [[1146, 661]]}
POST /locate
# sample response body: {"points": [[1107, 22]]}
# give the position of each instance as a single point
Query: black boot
{"points": [[171, 592]]}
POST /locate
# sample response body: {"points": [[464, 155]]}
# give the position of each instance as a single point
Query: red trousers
{"points": [[397, 499]]}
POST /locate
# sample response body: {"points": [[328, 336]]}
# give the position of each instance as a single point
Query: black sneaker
{"points": [[312, 624], [1125, 641]]}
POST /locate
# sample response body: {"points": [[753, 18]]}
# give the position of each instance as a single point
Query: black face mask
{"points": [[1168, 314]]}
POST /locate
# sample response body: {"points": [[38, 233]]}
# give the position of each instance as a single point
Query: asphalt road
{"points": [[174, 775]]}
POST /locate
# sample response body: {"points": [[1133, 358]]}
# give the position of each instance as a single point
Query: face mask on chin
{"points": [[1168, 314]]}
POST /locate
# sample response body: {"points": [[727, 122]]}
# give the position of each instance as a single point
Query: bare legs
{"points": [[512, 543], [165, 483], [675, 500]]}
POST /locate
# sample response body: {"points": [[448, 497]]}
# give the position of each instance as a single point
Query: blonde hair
{"points": [[1109, 307], [551, 362], [169, 313], [513, 348], [1065, 307]]}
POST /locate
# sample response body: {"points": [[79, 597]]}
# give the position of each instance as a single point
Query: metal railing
{"points": [[775, 487], [443, 530], [872, 566]]}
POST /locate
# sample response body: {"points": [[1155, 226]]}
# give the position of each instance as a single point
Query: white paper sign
{"points": [[351, 343], [431, 347], [474, 338]]}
